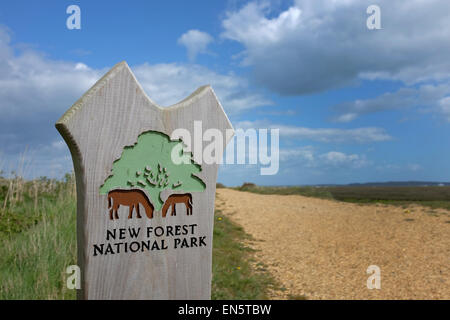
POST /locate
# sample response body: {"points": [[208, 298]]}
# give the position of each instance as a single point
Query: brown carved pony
{"points": [[178, 198], [131, 198]]}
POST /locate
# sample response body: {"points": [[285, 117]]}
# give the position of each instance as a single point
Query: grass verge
{"points": [[33, 262], [234, 273]]}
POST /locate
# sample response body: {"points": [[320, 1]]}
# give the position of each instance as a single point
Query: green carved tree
{"points": [[148, 165]]}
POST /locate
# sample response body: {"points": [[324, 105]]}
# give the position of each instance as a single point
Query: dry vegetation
{"points": [[22, 201], [430, 196], [37, 232]]}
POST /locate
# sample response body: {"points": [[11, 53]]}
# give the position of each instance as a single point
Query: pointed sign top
{"points": [[123, 66]]}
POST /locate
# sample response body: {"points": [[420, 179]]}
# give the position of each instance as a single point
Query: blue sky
{"points": [[352, 104]]}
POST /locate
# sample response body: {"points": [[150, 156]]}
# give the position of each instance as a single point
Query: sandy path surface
{"points": [[321, 249]]}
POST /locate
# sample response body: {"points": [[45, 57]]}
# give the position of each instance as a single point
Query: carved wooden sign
{"points": [[145, 195]]}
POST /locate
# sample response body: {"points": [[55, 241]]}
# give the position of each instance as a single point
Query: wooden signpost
{"points": [[144, 221]]}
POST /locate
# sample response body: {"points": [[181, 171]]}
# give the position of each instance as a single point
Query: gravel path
{"points": [[321, 249]]}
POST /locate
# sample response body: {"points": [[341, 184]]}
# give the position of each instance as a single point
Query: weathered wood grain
{"points": [[110, 116]]}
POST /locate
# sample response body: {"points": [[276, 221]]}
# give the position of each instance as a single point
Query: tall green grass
{"points": [[33, 260]]}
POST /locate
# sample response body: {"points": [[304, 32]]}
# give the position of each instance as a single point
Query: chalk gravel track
{"points": [[321, 248]]}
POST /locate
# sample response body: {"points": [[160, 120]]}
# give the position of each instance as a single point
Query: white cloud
{"points": [[30, 83], [396, 167], [414, 167], [168, 83], [430, 96], [346, 117], [444, 107], [317, 45], [359, 135], [195, 42], [339, 159], [58, 144], [326, 135], [310, 158], [304, 153], [34, 92]]}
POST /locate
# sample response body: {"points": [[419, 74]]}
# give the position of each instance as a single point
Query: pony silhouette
{"points": [[131, 198]]}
